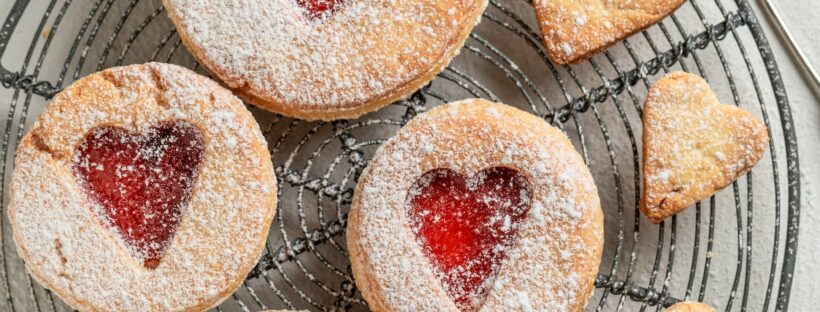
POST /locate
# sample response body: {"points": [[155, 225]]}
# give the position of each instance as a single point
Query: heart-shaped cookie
{"points": [[141, 182], [574, 30], [693, 146], [466, 225]]}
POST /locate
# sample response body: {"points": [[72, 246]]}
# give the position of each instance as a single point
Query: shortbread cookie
{"points": [[476, 206], [142, 188], [693, 146], [574, 30], [324, 59], [690, 306]]}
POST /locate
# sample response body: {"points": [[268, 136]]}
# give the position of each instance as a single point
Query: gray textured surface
{"points": [[804, 19]]}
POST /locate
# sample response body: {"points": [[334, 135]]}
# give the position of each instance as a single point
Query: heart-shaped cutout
{"points": [[319, 8], [574, 30], [466, 225], [141, 182], [693, 145]]}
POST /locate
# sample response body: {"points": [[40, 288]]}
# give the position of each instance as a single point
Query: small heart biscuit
{"points": [[693, 146], [574, 30]]}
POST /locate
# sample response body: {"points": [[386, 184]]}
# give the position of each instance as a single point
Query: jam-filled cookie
{"points": [[142, 188], [574, 30], [476, 206], [324, 59], [693, 146]]}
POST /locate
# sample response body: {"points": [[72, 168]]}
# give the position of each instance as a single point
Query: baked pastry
{"points": [[693, 146], [324, 59], [575, 30], [476, 206], [690, 306], [142, 188]]}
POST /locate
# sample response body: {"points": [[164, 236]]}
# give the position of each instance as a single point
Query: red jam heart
{"points": [[142, 182], [319, 8], [465, 226]]}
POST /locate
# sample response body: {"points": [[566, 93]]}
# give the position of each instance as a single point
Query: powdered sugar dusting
{"points": [[694, 146], [139, 184], [574, 29], [466, 225], [232, 199], [469, 137], [360, 52]]}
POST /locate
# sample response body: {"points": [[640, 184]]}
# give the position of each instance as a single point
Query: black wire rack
{"points": [[735, 250]]}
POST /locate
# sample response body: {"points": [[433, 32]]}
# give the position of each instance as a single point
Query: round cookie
{"points": [[317, 59], [142, 188], [476, 206]]}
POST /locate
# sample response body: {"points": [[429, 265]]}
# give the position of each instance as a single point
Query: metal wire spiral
{"points": [[598, 104]]}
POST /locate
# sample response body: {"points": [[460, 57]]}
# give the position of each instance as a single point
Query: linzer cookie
{"points": [[324, 59], [693, 146], [142, 188], [574, 30], [476, 206]]}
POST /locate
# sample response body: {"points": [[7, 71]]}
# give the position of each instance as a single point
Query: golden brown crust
{"points": [[404, 53], [556, 251], [67, 249], [693, 146], [576, 30], [690, 306], [360, 108]]}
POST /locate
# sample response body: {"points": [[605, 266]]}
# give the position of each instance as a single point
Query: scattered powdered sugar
{"points": [[567, 48], [694, 146], [573, 29], [560, 236], [580, 19], [522, 302], [465, 224], [360, 52], [140, 183], [63, 241]]}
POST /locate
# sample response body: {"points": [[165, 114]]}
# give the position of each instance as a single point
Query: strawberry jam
{"points": [[465, 226], [319, 8], [140, 183]]}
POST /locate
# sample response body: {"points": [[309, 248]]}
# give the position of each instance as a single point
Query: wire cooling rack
{"points": [[735, 250]]}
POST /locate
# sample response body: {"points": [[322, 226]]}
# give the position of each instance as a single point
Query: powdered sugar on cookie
{"points": [[63, 241], [574, 30], [555, 252], [283, 58], [693, 145]]}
